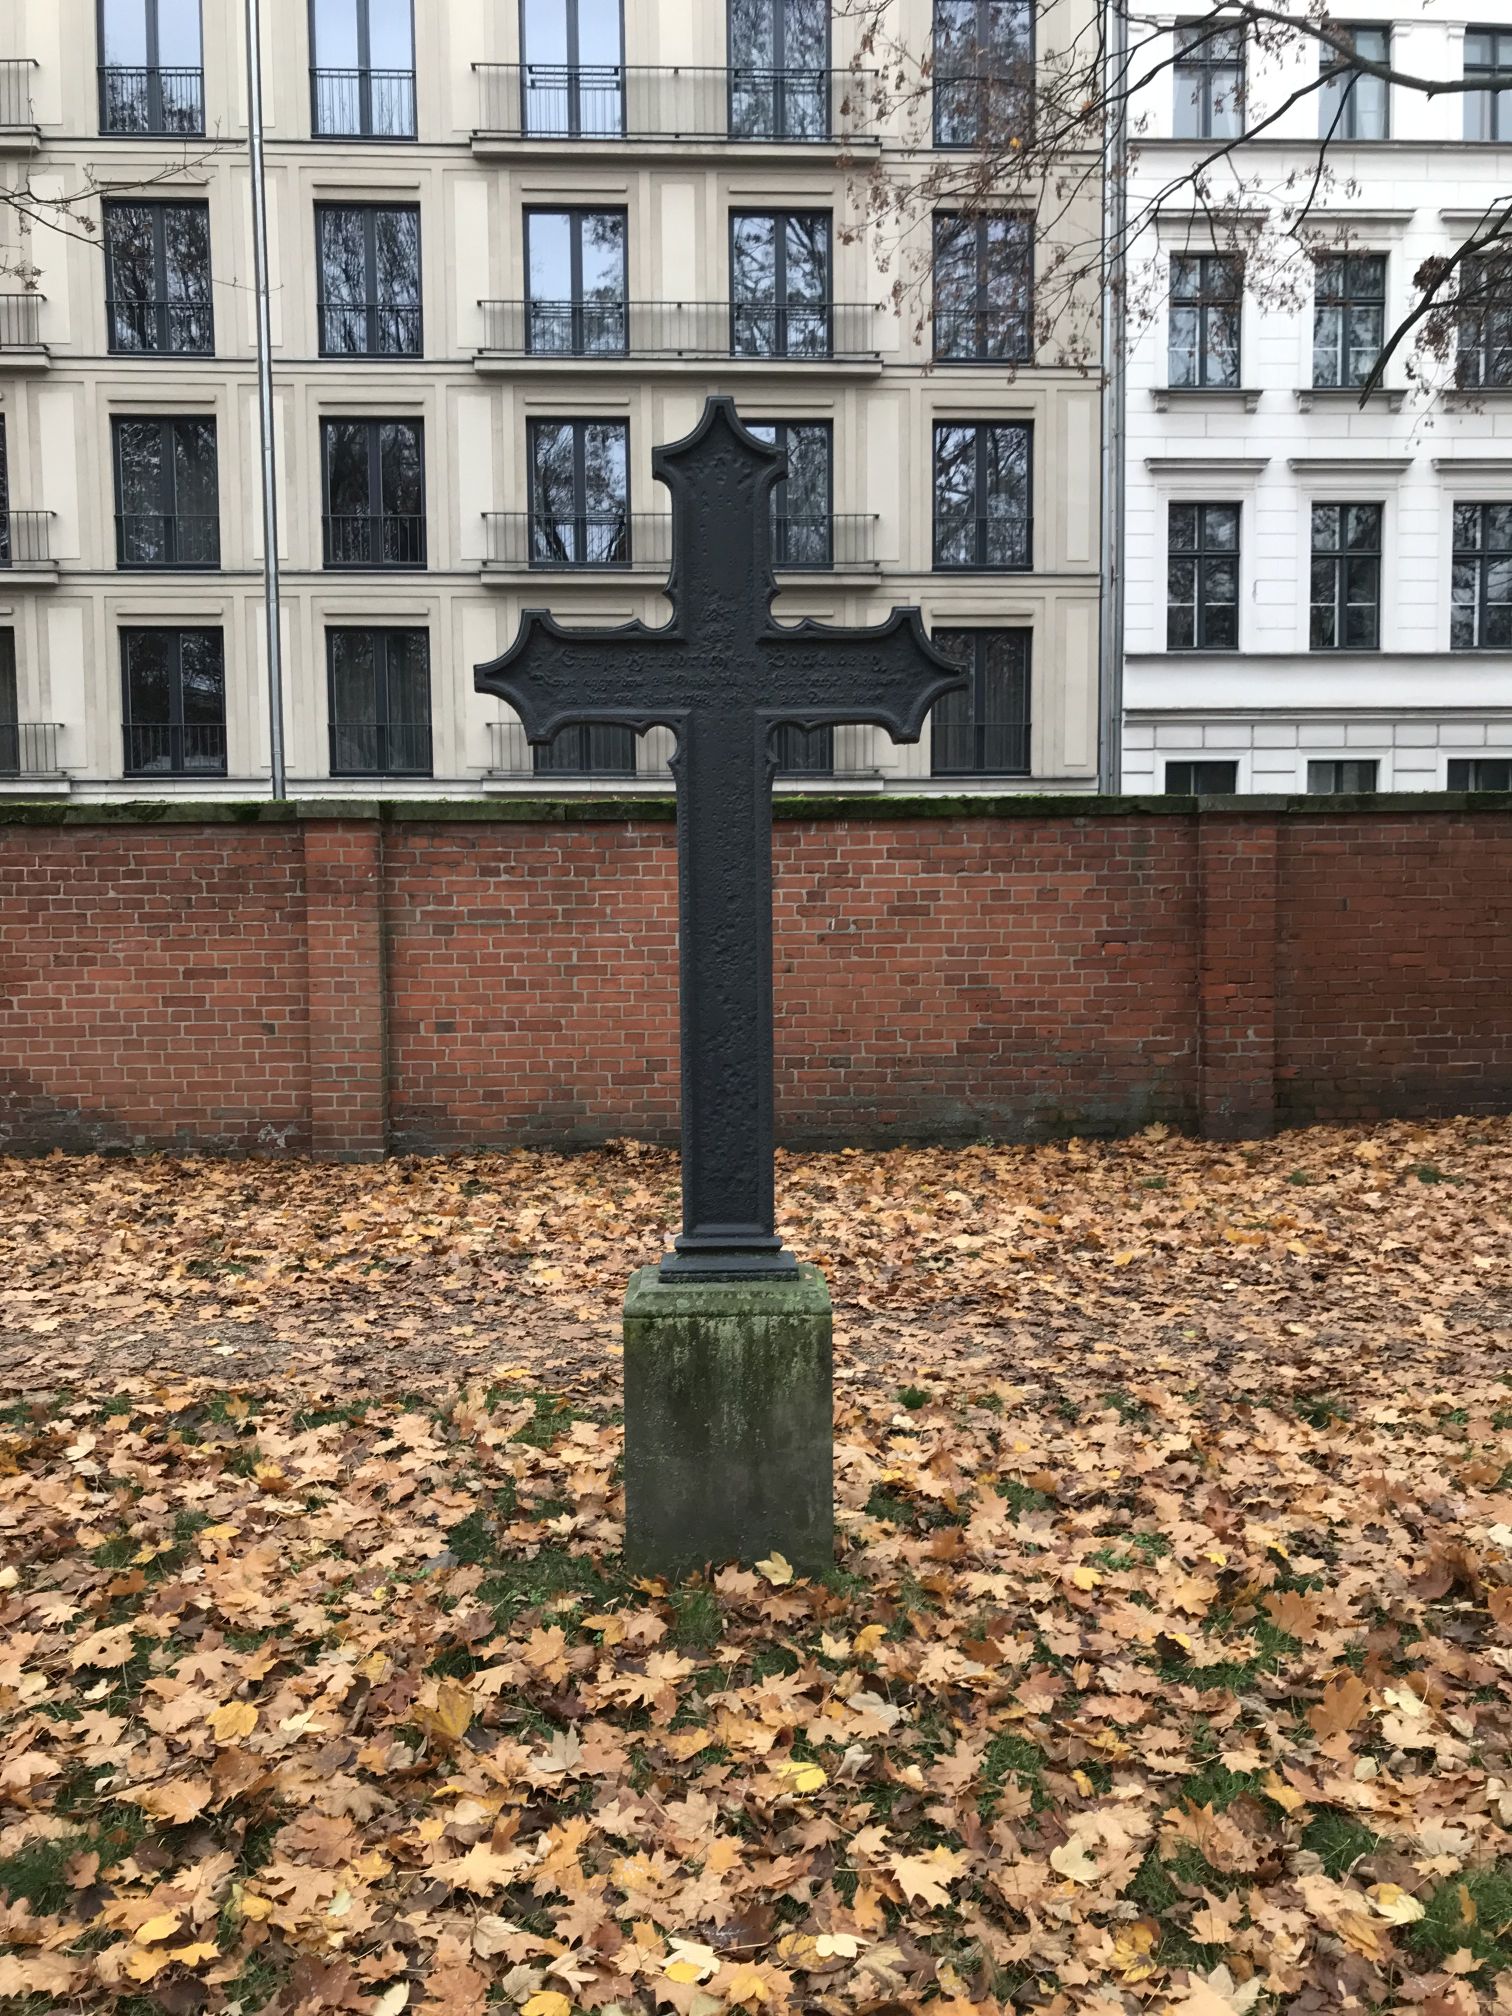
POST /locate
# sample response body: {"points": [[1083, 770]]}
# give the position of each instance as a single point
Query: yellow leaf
{"points": [[1085, 1578], [682, 1970], [803, 1777], [142, 1965], [548, 2003], [1072, 1861], [195, 1955], [1396, 1905], [1123, 1259], [236, 1718], [868, 1638], [1287, 1797], [1132, 1950], [156, 1929], [250, 1905], [746, 1985], [778, 1570], [837, 1945], [444, 1709]]}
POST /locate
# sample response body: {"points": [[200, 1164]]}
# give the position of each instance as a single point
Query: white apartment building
{"points": [[515, 243], [1319, 596]]}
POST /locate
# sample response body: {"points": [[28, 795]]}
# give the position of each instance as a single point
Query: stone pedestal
{"points": [[729, 1422]]}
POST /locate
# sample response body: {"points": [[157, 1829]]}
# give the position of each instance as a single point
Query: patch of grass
{"points": [[1339, 1842], [1321, 1410], [887, 1506], [34, 1874], [475, 1539], [553, 1572], [697, 1623], [1301, 1179], [1023, 1497], [308, 1418], [913, 1397], [1125, 1406], [1474, 1911], [1219, 1787], [553, 1417]]}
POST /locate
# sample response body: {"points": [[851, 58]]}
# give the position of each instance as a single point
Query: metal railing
{"points": [[992, 544], [608, 101], [15, 94], [795, 333], [981, 335], [640, 542], [601, 750], [171, 539], [380, 749], [160, 328], [992, 108], [151, 100], [29, 748], [20, 321], [979, 748], [369, 329], [25, 538], [161, 751], [374, 540], [362, 104]]}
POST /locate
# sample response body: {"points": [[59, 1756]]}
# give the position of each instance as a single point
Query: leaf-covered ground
{"points": [[1166, 1663]]}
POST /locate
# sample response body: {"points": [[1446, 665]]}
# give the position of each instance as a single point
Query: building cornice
{"points": [[1348, 465], [1202, 465]]}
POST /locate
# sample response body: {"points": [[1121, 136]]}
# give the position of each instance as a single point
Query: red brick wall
{"points": [[344, 984]]}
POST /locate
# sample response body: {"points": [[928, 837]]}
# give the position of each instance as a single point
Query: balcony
{"points": [[160, 750], [640, 542], [755, 334], [374, 543], [362, 104], [370, 329], [167, 541], [591, 105], [29, 749], [609, 755], [381, 749], [21, 345], [998, 543], [18, 121], [26, 546], [151, 100], [159, 328]]}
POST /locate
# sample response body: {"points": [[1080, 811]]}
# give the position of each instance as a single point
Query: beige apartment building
{"points": [[514, 245]]}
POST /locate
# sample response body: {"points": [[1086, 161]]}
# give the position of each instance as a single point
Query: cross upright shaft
{"points": [[723, 675]]}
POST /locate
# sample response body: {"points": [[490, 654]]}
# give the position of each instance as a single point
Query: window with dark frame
{"points": [[1328, 776], [362, 80], [378, 684], [1483, 324], [983, 72], [1480, 773], [1349, 317], [1202, 578], [780, 283], [1346, 578], [10, 722], [572, 81], [1480, 595], [158, 298], [983, 491], [167, 492], [1209, 76], [367, 258], [173, 702], [580, 493], [1488, 111], [984, 731], [983, 286], [1353, 104], [779, 69], [802, 501], [6, 540], [577, 282], [152, 76], [1196, 777], [1206, 314], [373, 473]]}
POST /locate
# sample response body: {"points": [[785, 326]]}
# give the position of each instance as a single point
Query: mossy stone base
{"points": [[729, 1422]]}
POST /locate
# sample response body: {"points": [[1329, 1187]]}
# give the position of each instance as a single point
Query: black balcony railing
{"points": [[160, 328], [362, 104], [151, 100], [162, 751], [25, 538], [369, 329], [374, 541], [20, 321], [172, 539], [980, 748], [980, 335], [796, 333], [15, 94], [29, 748], [602, 750], [993, 544], [607, 101], [640, 542], [380, 749]]}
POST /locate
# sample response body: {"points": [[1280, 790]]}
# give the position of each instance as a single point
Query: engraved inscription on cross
{"points": [[723, 675]]}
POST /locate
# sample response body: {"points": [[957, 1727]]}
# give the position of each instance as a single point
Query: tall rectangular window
{"points": [[1484, 323], [173, 703], [368, 264], [1480, 594], [780, 283], [577, 283], [573, 77], [1202, 578], [1209, 74], [1346, 577], [10, 723], [1349, 316], [983, 72], [1488, 56], [779, 69], [580, 493], [7, 537], [1195, 778], [167, 493], [983, 490], [152, 77], [984, 731], [1480, 773], [1353, 104], [379, 684], [157, 279], [802, 526], [1207, 302], [1327, 776], [374, 473], [983, 286], [362, 84]]}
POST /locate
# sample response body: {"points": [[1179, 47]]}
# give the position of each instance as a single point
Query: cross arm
{"points": [[888, 676], [555, 677]]}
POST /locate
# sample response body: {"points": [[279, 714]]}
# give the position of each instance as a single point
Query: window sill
{"points": [[1191, 395], [1308, 396]]}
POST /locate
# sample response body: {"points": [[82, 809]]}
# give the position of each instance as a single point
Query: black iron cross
{"points": [[723, 676]]}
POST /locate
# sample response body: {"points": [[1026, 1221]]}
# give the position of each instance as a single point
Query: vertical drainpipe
{"points": [[1114, 270], [271, 584]]}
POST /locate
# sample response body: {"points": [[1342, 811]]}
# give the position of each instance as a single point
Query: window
{"points": [[579, 493], [1480, 773], [152, 77], [983, 286], [374, 493], [1209, 81], [1484, 323], [576, 279], [780, 283], [982, 478], [167, 493], [1202, 578], [10, 726], [379, 684], [368, 257], [1353, 105], [157, 279], [1349, 317], [6, 535], [983, 72], [573, 81], [1346, 577], [1207, 297], [983, 732], [801, 500], [1201, 780], [779, 69], [1330, 775], [1480, 596], [1488, 55], [362, 85], [174, 703]]}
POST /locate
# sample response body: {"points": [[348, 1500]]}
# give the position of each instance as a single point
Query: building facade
{"points": [[510, 255], [1319, 591]]}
